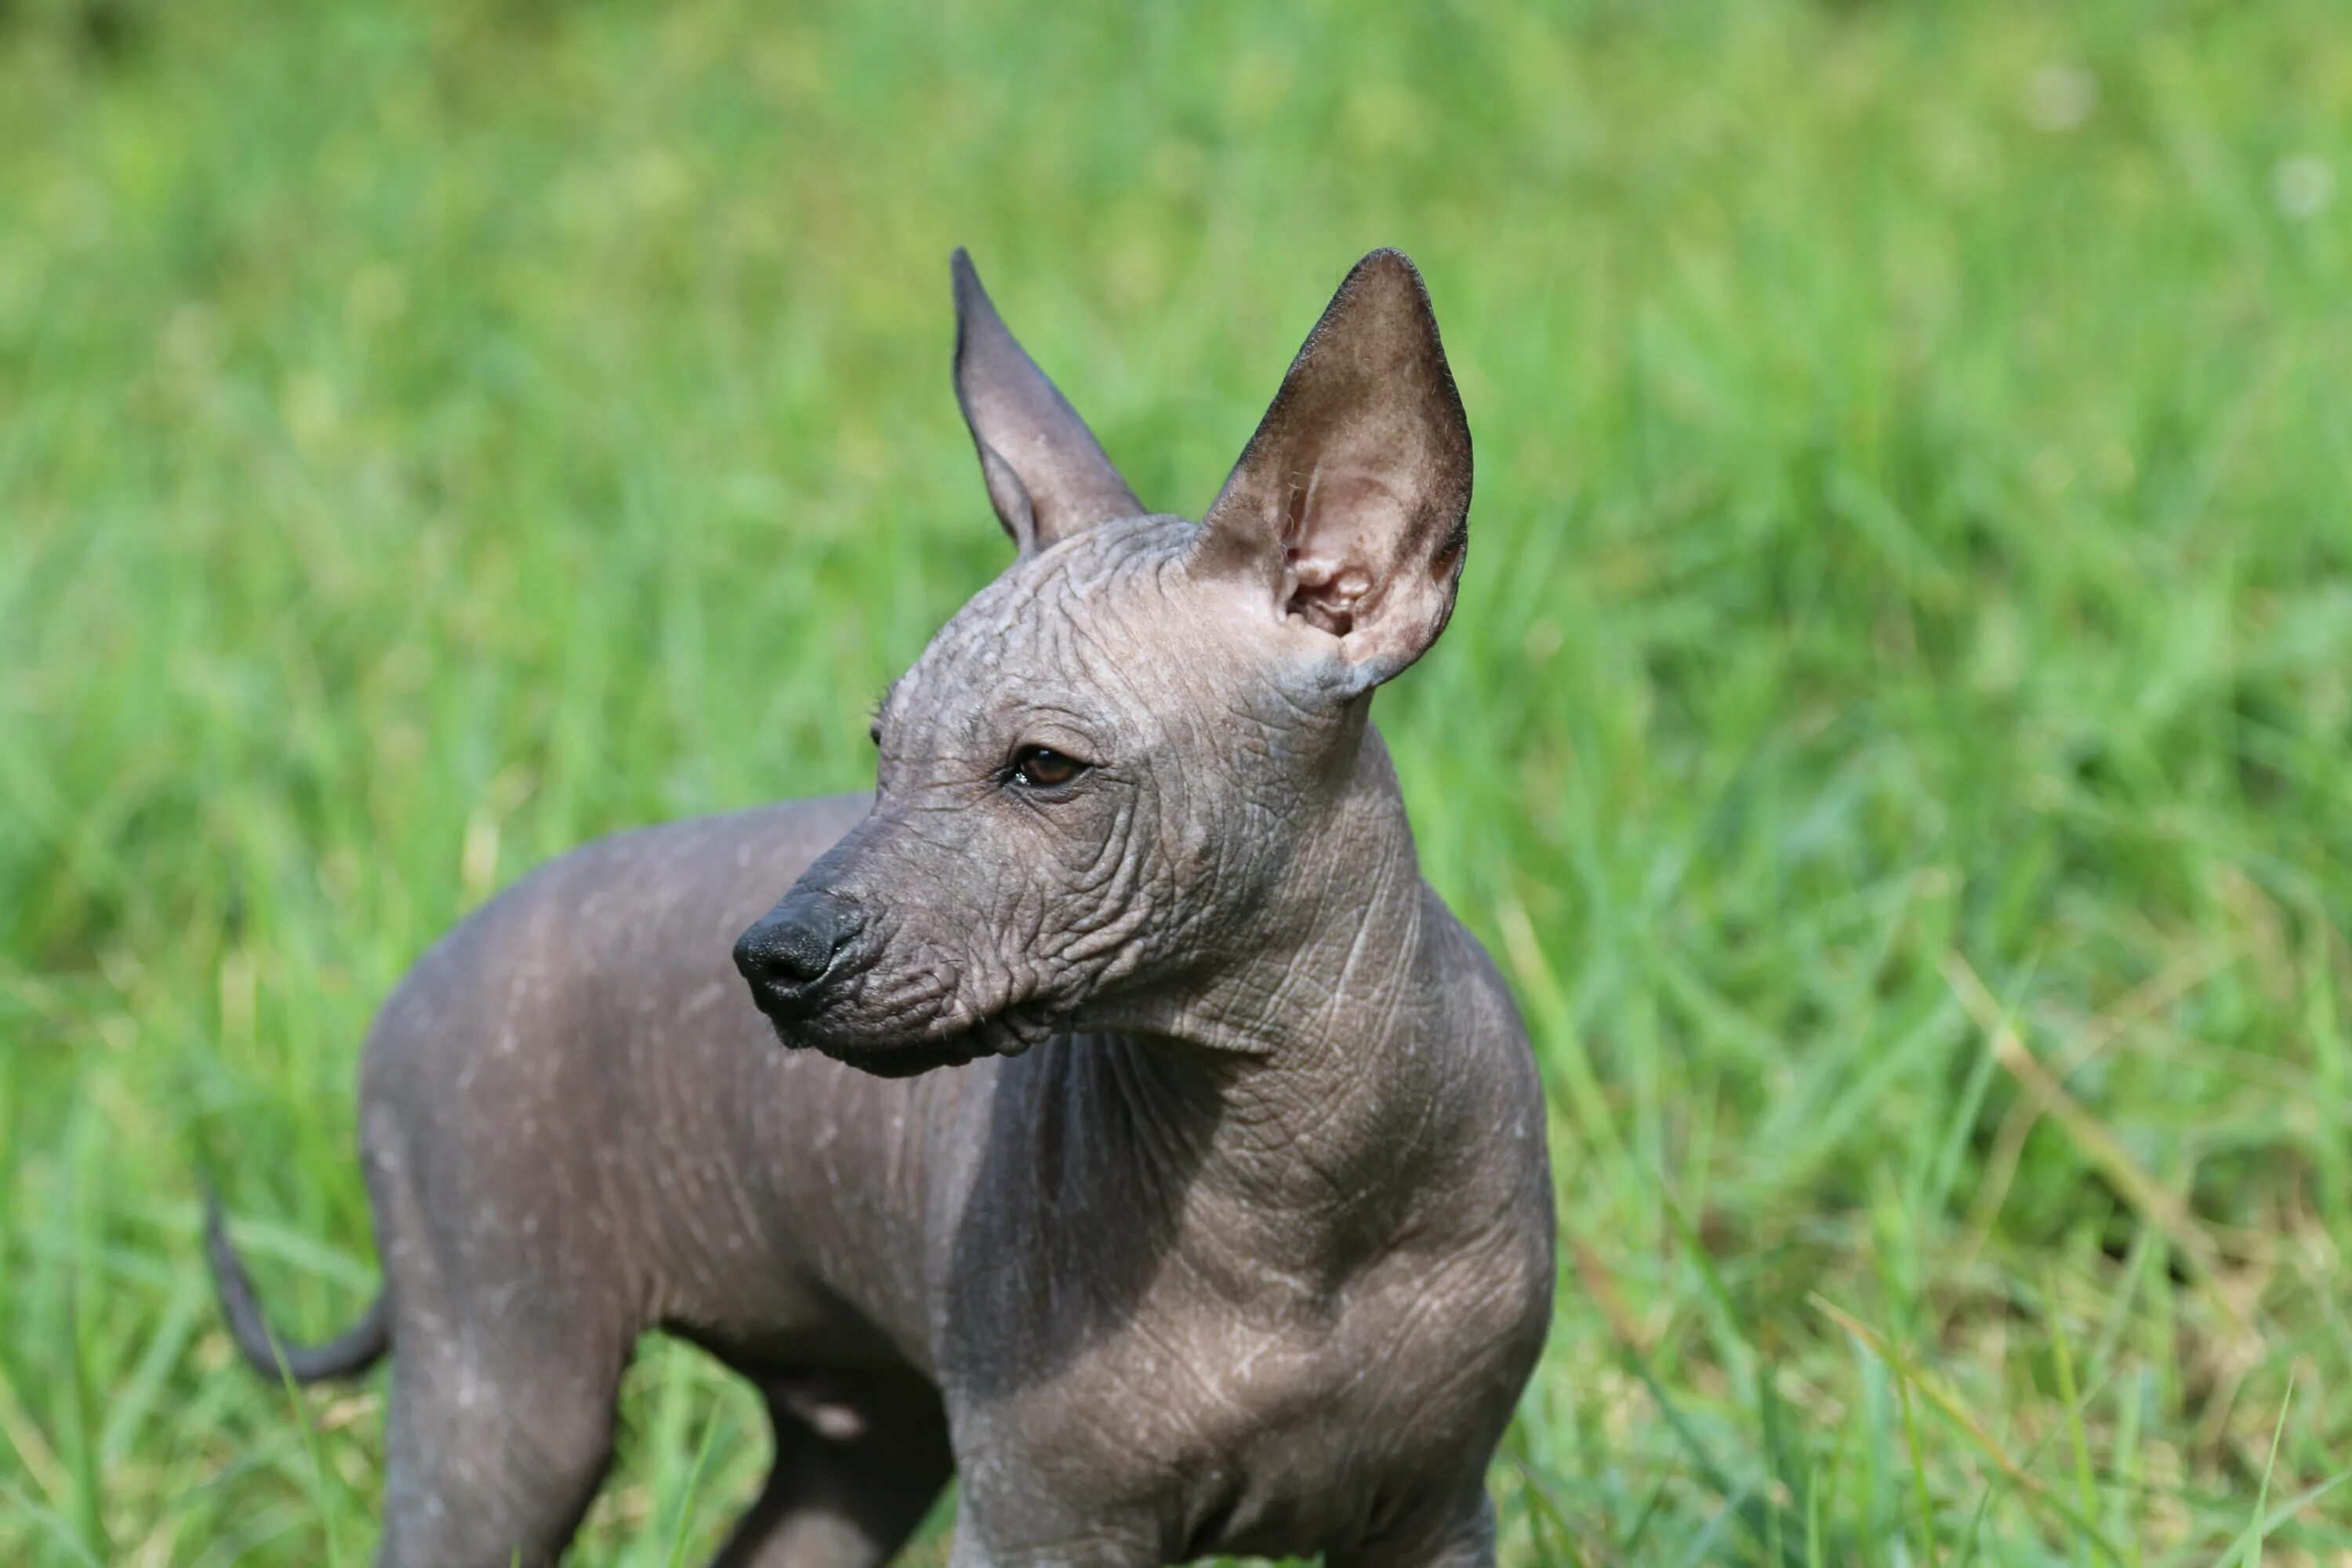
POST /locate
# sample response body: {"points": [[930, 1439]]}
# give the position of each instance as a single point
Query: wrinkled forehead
{"points": [[1098, 615]]}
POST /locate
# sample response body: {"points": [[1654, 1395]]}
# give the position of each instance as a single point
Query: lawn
{"points": [[1896, 733]]}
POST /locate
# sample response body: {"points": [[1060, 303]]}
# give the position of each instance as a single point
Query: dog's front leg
{"points": [[1094, 1546], [1462, 1537]]}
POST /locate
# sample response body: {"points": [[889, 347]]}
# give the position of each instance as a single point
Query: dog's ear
{"points": [[1048, 476], [1351, 505]]}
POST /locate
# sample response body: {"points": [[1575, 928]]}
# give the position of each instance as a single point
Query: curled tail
{"points": [[348, 1354]]}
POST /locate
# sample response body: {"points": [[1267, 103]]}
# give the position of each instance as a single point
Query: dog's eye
{"points": [[1041, 767]]}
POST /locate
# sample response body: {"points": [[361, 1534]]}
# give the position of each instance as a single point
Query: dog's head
{"points": [[1127, 762]]}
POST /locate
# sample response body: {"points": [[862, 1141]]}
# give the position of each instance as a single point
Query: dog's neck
{"points": [[1345, 964], [1305, 1099]]}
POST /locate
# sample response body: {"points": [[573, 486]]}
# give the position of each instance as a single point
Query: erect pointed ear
{"points": [[1349, 508], [1046, 474]]}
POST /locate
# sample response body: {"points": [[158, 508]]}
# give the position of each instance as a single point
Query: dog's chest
{"points": [[1279, 1426], [1262, 1345]]}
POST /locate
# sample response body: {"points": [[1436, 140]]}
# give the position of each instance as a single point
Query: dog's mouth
{"points": [[896, 1061], [938, 1043]]}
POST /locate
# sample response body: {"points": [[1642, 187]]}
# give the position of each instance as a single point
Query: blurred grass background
{"points": [[1894, 733]]}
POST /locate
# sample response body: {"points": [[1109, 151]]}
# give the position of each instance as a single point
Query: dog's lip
{"points": [[1008, 1033], [776, 1010], [903, 1062]]}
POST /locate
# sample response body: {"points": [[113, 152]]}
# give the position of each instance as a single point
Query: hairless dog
{"points": [[1116, 1120]]}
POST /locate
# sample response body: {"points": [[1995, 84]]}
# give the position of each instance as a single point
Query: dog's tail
{"points": [[348, 1354]]}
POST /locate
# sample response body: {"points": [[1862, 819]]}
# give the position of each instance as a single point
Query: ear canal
{"points": [[1046, 475], [1349, 507]]}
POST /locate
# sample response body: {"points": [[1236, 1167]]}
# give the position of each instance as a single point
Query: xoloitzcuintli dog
{"points": [[1231, 1227]]}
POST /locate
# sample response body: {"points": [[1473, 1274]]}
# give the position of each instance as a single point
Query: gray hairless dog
{"points": [[1231, 1229]]}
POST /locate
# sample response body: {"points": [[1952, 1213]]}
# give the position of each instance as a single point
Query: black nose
{"points": [[791, 947]]}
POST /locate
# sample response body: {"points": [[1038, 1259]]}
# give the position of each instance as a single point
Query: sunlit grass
{"points": [[1894, 735]]}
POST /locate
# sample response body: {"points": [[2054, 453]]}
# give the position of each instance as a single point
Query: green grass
{"points": [[1896, 733]]}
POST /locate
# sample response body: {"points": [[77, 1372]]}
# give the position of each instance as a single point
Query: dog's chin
{"points": [[920, 1051], [902, 1060]]}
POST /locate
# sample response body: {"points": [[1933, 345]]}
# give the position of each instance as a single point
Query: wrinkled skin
{"points": [[1131, 1132], [1130, 881]]}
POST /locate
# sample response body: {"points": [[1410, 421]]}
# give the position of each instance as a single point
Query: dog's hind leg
{"points": [[493, 1455], [859, 1460]]}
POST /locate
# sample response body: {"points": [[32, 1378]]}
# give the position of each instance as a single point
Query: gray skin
{"points": [[1227, 1226]]}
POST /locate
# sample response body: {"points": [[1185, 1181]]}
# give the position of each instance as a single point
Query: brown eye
{"points": [[1040, 767]]}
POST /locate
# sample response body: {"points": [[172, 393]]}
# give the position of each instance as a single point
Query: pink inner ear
{"points": [[1332, 562], [1323, 593]]}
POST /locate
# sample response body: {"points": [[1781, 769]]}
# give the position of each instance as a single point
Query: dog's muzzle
{"points": [[790, 951]]}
